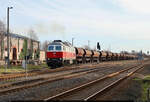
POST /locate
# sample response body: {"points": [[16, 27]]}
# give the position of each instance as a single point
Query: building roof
{"points": [[20, 36]]}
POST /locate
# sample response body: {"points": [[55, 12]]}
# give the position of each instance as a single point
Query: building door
{"points": [[14, 54]]}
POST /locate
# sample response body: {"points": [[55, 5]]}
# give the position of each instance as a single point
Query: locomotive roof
{"points": [[61, 43]]}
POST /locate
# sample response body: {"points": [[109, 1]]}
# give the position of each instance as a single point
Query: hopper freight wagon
{"points": [[115, 56], [61, 53], [88, 56], [95, 56], [109, 56], [103, 56], [80, 55]]}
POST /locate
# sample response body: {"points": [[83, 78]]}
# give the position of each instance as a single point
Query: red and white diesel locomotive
{"points": [[60, 53]]}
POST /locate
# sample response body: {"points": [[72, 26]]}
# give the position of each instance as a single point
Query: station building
{"points": [[16, 45]]}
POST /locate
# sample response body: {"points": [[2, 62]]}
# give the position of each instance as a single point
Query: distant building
{"points": [[16, 47], [42, 56]]}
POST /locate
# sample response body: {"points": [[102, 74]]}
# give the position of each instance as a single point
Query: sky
{"points": [[116, 24]]}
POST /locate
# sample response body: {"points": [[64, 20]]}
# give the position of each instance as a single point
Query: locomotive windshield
{"points": [[58, 48], [54, 48], [51, 48]]}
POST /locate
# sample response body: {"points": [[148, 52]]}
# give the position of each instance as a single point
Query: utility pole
{"points": [[26, 64], [72, 41], [89, 43], [8, 62], [26, 48]]}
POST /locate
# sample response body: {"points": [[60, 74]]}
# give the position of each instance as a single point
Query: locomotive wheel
{"points": [[48, 65]]}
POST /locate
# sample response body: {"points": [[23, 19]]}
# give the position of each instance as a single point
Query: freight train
{"points": [[61, 53]]}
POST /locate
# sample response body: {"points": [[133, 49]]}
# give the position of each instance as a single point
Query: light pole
{"points": [[89, 43], [8, 35], [72, 41]]}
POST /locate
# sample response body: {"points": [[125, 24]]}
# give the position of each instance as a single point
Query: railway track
{"points": [[53, 78], [18, 76], [90, 90], [30, 74], [8, 88], [7, 77]]}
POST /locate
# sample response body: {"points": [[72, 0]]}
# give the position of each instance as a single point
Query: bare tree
{"points": [[2, 35], [32, 34], [125, 52], [87, 47], [44, 45], [133, 51], [2, 30], [94, 48]]}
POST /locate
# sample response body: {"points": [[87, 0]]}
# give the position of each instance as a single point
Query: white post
{"points": [[26, 66]]}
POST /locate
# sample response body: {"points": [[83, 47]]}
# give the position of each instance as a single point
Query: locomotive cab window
{"points": [[51, 48], [58, 48]]}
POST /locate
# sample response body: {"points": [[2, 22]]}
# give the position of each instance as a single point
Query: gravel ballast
{"points": [[50, 89]]}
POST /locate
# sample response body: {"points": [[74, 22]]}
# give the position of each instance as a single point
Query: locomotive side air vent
{"points": [[57, 41]]}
